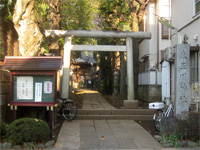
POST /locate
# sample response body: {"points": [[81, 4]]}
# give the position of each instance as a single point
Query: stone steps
{"points": [[116, 114]]}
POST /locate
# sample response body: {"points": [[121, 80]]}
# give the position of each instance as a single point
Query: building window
{"points": [[193, 67], [197, 6], [165, 31]]}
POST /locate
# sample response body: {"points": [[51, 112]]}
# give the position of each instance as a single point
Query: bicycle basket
{"points": [[156, 105]]}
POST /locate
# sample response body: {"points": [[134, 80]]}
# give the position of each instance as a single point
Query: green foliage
{"points": [[1, 50], [186, 129], [173, 139], [7, 9], [27, 130], [76, 15], [3, 130], [115, 15], [105, 80], [42, 11], [189, 127], [80, 84], [45, 45], [137, 7]]}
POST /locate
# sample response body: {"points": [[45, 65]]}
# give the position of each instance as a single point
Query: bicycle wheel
{"points": [[69, 111], [157, 122]]}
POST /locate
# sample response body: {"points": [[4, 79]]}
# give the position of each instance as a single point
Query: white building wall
{"points": [[185, 21], [164, 10], [150, 78], [150, 81], [151, 47], [182, 12], [153, 41], [144, 48]]}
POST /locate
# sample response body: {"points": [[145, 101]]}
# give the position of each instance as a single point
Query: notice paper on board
{"points": [[38, 92], [47, 87], [25, 87]]}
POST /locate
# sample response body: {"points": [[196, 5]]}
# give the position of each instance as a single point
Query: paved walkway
{"points": [[94, 101], [104, 134]]}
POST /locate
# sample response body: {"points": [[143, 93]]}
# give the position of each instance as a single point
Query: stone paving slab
{"points": [[69, 136], [92, 100], [88, 137]]}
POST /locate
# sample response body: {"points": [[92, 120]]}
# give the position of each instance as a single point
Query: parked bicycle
{"points": [[161, 111], [67, 109]]}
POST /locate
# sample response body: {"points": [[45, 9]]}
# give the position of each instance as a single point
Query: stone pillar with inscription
{"points": [[182, 78]]}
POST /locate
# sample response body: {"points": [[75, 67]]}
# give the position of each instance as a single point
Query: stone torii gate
{"points": [[130, 102]]}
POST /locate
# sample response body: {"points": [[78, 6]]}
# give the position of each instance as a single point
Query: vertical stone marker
{"points": [[182, 78]]}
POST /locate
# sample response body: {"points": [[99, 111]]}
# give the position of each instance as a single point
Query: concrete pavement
{"points": [[105, 134]]}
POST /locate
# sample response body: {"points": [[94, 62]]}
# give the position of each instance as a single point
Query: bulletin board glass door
{"points": [[33, 88]]}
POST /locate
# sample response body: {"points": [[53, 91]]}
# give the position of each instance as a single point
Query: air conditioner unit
{"points": [[169, 54]]}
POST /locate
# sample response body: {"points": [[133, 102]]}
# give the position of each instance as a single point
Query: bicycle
{"points": [[67, 109], [161, 111]]}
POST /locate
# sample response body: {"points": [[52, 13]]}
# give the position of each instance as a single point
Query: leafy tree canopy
{"points": [[78, 15], [115, 15]]}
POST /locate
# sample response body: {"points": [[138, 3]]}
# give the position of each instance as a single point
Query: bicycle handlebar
{"points": [[63, 99]]}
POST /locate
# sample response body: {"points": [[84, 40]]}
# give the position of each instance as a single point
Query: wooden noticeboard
{"points": [[33, 88]]}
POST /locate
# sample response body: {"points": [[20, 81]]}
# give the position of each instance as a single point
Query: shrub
{"points": [[27, 130], [173, 139], [189, 127], [2, 130]]}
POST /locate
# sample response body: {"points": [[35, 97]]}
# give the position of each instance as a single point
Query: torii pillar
{"points": [[130, 102]]}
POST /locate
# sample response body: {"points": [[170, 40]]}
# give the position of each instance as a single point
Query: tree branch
{"points": [[20, 9], [130, 5]]}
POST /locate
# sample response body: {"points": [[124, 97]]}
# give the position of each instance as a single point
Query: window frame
{"points": [[195, 3], [194, 67], [163, 27]]}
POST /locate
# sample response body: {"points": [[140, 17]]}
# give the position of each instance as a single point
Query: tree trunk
{"points": [[135, 22], [4, 37], [54, 24], [137, 8], [30, 37], [112, 54], [15, 43], [122, 74], [136, 65]]}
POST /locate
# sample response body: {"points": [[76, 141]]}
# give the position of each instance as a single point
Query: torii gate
{"points": [[130, 102]]}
